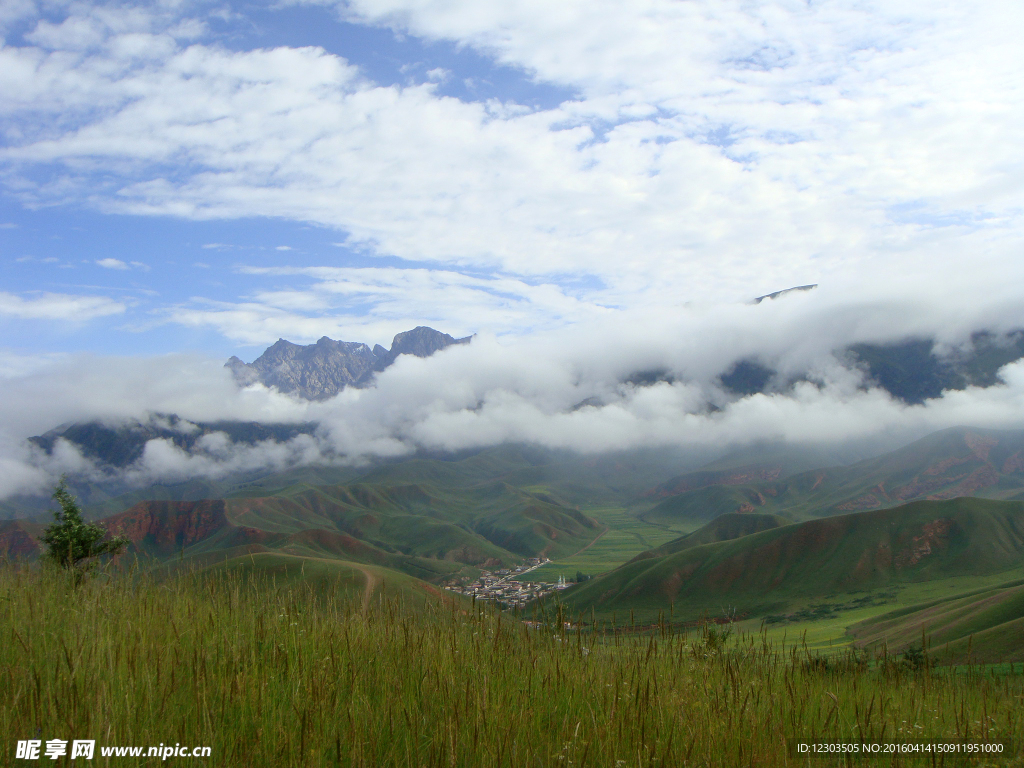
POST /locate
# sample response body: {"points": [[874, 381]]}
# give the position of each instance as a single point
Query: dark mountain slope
{"points": [[121, 445], [911, 369]]}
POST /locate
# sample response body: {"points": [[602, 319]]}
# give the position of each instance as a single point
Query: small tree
{"points": [[71, 540]]}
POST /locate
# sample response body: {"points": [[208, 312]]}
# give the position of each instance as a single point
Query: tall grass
{"points": [[270, 675]]}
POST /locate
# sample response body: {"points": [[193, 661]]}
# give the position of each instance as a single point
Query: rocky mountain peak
{"points": [[321, 370]]}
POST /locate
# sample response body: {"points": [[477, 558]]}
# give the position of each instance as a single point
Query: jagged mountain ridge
{"points": [[320, 371]]}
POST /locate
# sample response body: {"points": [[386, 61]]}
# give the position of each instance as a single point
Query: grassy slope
{"points": [[764, 572], [276, 674], [471, 524], [430, 531], [725, 527], [337, 579], [988, 622]]}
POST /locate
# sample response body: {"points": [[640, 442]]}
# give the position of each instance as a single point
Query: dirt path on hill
{"points": [[596, 539], [371, 584]]}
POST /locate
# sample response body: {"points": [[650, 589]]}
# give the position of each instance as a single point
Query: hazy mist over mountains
{"points": [[807, 368], [595, 196]]}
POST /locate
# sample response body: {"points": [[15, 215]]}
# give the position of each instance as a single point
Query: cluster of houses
{"points": [[503, 587]]}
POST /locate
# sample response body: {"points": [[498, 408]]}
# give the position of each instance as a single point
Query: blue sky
{"points": [[173, 173], [593, 187], [144, 265]]}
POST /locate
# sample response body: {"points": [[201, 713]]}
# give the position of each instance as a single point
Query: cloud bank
{"points": [[703, 153], [567, 388]]}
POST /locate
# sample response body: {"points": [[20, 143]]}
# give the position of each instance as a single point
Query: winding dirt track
{"points": [[602, 533], [371, 584]]}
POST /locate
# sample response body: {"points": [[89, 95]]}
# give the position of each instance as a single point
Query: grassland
{"points": [[274, 672], [625, 537], [837, 616], [983, 624]]}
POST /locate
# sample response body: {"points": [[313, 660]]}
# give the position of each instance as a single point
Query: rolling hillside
{"points": [[765, 571], [982, 626], [948, 464], [418, 529], [616, 478], [727, 527], [336, 578]]}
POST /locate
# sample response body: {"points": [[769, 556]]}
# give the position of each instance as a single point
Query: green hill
{"points": [[419, 529], [948, 464], [763, 572], [330, 577], [569, 478], [731, 525], [982, 626]]}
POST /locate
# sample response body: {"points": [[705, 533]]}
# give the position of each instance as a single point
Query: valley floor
{"points": [[626, 537]]}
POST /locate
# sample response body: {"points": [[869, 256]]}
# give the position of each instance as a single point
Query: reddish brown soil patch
{"points": [[15, 542], [1013, 464], [169, 523], [867, 501], [980, 446], [980, 478], [942, 466], [933, 536]]}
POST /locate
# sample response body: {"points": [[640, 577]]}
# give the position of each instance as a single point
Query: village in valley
{"points": [[502, 585]]}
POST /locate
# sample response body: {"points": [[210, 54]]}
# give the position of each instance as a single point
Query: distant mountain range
{"points": [[947, 464], [122, 445], [910, 370], [320, 371]]}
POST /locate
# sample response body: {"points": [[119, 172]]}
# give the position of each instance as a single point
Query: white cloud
{"points": [[716, 149], [373, 304], [14, 11], [58, 306], [14, 364], [110, 263], [216, 456], [562, 388]]}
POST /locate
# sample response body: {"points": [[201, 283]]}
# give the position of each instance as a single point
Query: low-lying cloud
{"points": [[567, 389]]}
